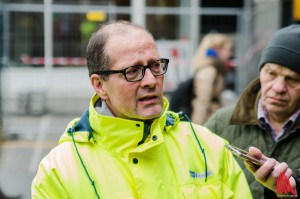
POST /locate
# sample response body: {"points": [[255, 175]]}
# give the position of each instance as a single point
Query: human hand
{"points": [[268, 173]]}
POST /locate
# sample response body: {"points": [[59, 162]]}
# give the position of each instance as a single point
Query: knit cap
{"points": [[283, 49]]}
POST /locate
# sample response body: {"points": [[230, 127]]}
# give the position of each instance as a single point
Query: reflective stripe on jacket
{"points": [[169, 164]]}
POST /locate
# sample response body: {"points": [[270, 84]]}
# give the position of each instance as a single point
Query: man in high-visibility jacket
{"points": [[127, 145]]}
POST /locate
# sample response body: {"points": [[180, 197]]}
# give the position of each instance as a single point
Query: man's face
{"points": [[139, 100], [280, 90]]}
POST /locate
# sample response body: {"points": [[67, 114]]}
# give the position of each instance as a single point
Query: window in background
{"points": [[26, 37], [219, 23], [167, 3], [22, 1], [168, 29], [72, 32], [163, 26], [68, 32], [222, 3], [82, 2]]}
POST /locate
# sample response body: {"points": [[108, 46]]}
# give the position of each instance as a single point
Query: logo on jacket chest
{"points": [[200, 175]]}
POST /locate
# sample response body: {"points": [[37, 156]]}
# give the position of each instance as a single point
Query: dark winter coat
{"points": [[239, 125]]}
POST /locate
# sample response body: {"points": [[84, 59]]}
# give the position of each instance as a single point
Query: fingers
{"points": [[288, 173], [255, 152], [268, 173], [266, 169], [282, 167], [292, 182], [250, 166]]}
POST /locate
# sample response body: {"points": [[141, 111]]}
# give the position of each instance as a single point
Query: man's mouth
{"points": [[277, 100], [147, 98]]}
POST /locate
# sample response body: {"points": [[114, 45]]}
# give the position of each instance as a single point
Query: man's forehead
{"points": [[126, 41], [130, 33], [280, 68], [131, 49]]}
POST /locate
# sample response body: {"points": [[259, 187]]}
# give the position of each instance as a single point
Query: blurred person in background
{"points": [[209, 71], [200, 95], [267, 115], [127, 145]]}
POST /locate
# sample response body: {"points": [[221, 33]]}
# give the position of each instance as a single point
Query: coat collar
{"points": [[245, 111], [117, 134]]}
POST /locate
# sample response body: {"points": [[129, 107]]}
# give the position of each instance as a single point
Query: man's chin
{"points": [[151, 114], [279, 111], [277, 108]]}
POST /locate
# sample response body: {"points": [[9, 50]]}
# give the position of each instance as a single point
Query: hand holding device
{"points": [[245, 155]]}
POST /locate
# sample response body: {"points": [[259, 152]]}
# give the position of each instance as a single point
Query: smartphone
{"points": [[244, 155]]}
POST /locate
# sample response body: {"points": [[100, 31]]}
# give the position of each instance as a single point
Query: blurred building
{"points": [[43, 79], [42, 43]]}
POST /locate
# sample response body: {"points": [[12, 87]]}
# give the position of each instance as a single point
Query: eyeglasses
{"points": [[137, 73]]}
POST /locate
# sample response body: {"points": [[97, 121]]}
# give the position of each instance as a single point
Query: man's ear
{"points": [[99, 86]]}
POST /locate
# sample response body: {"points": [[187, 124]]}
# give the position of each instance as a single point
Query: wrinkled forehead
{"points": [[279, 69]]}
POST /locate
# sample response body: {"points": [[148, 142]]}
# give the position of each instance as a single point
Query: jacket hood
{"points": [[82, 130]]}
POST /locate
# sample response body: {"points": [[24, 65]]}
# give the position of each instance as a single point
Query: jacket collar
{"points": [[116, 134], [245, 111]]}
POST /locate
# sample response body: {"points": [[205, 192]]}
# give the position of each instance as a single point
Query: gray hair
{"points": [[96, 56]]}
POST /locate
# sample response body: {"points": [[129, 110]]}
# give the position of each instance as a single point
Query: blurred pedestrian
{"points": [[209, 71], [267, 114], [127, 145], [200, 95]]}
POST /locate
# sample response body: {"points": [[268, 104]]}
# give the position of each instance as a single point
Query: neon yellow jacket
{"points": [[168, 165]]}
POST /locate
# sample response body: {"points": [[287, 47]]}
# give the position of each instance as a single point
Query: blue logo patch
{"points": [[200, 175]]}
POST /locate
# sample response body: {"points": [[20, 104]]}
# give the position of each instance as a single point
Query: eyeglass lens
{"points": [[135, 73]]}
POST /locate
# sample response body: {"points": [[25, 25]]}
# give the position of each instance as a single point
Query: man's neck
{"points": [[102, 108], [277, 126], [278, 121]]}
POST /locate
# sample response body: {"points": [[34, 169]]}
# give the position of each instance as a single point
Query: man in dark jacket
{"points": [[267, 114]]}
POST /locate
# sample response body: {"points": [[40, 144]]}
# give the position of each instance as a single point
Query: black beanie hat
{"points": [[283, 49]]}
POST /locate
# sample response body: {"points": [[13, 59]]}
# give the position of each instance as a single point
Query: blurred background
{"points": [[44, 82]]}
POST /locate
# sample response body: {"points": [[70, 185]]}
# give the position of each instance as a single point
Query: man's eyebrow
{"points": [[270, 69], [294, 75], [138, 63]]}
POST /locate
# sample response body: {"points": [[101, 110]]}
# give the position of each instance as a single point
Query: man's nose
{"points": [[149, 79], [279, 85]]}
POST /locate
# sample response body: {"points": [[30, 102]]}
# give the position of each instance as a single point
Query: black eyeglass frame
{"points": [[123, 71]]}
